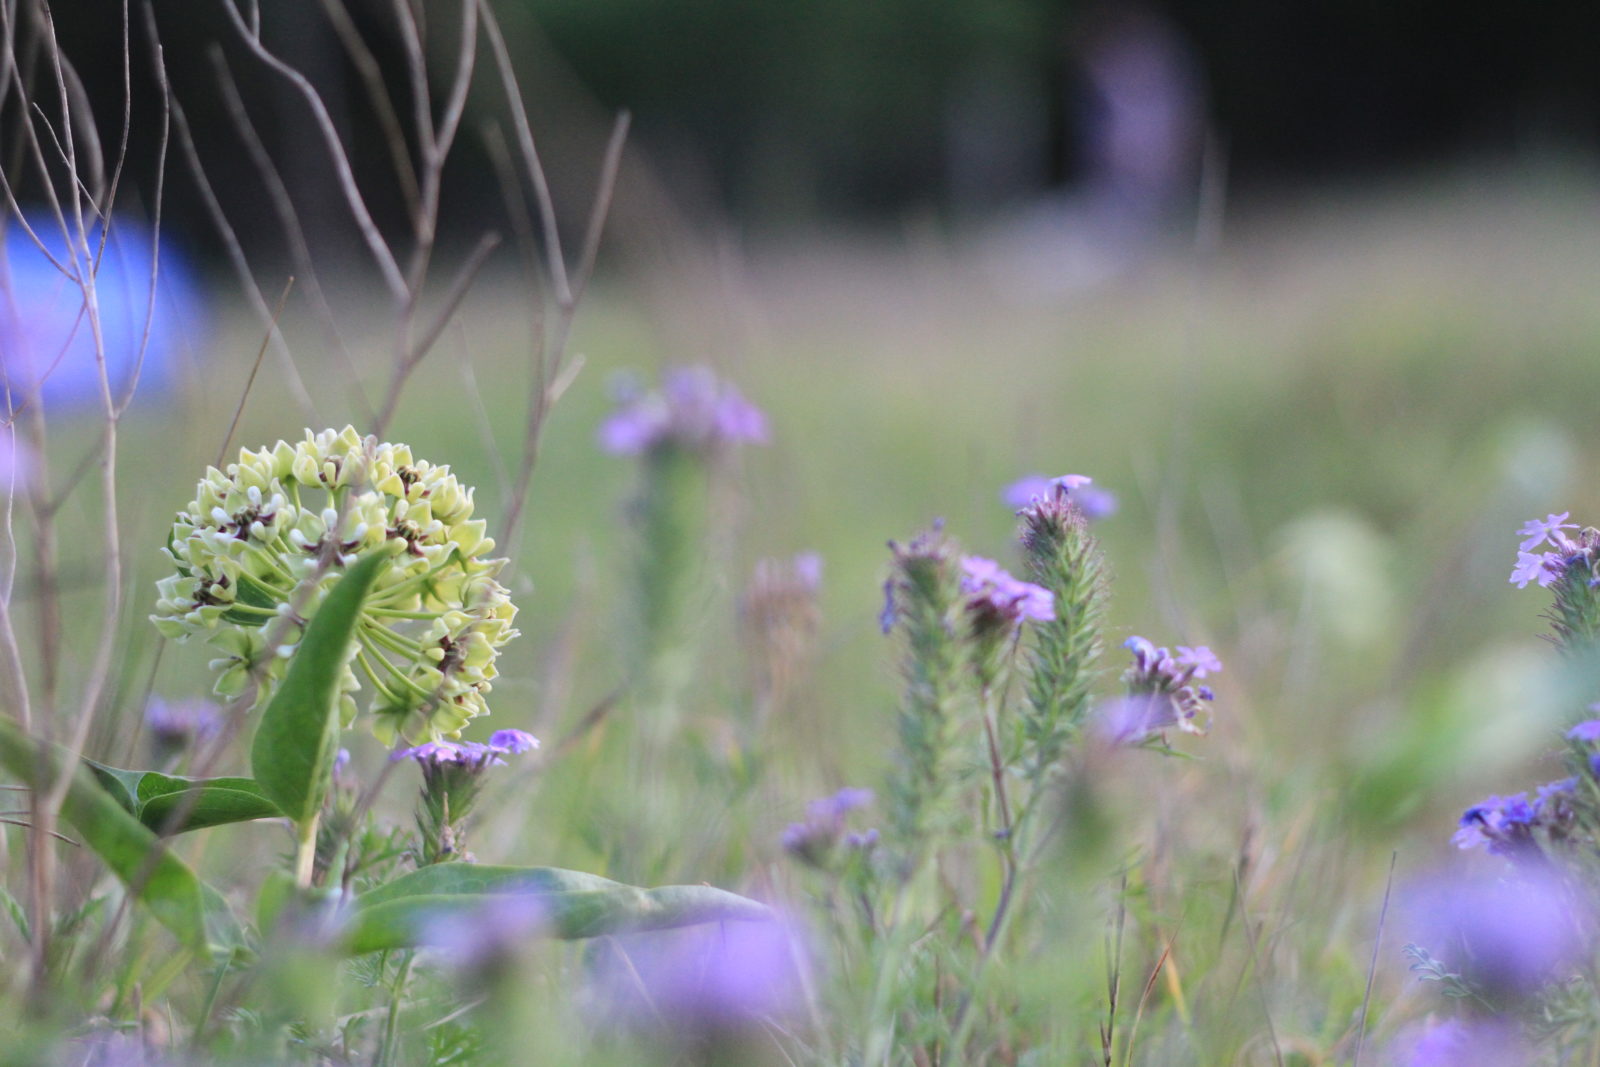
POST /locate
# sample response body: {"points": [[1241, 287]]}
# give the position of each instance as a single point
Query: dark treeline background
{"points": [[777, 113]]}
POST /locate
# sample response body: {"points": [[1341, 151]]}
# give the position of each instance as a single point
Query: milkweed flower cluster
{"points": [[265, 538], [694, 410], [452, 775], [1163, 690]]}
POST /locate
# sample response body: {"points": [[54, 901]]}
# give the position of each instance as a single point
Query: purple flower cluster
{"points": [[1162, 692], [815, 840], [175, 725], [1463, 1043], [1510, 825], [994, 593], [1076, 490], [1546, 568], [470, 755], [694, 409]]}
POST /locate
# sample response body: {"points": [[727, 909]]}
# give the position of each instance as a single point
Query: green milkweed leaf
{"points": [[298, 737]]}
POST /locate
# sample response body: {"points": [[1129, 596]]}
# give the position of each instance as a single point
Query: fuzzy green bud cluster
{"points": [[265, 538]]}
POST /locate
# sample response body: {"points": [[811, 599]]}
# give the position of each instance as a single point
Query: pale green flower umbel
{"points": [[285, 516]]}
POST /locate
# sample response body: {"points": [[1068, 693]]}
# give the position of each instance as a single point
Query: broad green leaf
{"points": [[469, 879], [172, 804], [386, 919], [292, 755], [193, 911]]}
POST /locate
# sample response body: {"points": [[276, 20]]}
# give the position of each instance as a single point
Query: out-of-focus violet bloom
{"points": [[483, 938], [46, 341], [1508, 937], [515, 742], [814, 841], [1200, 660], [178, 724], [707, 977], [1586, 732], [1513, 825], [1463, 1043], [1533, 567], [1075, 489], [694, 409], [992, 591]]}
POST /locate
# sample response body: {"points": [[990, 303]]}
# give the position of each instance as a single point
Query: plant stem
{"points": [[305, 858], [392, 1021]]}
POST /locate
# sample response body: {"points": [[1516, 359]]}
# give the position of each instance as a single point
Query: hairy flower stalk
{"points": [[1064, 558], [265, 538], [924, 602]]}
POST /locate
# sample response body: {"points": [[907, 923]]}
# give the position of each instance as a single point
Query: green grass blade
{"points": [[295, 744]]}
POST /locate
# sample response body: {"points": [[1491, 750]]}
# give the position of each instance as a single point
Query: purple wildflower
{"points": [[1586, 732], [1513, 825], [515, 742], [1464, 1043], [1075, 489], [483, 937], [1537, 531], [705, 977], [694, 409], [1160, 691], [178, 724], [1508, 936], [995, 592], [1534, 567], [1200, 660], [813, 840]]}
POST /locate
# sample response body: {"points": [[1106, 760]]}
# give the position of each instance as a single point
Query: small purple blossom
{"points": [[1075, 489], [514, 742], [992, 590], [1513, 825], [1586, 732], [175, 725], [1200, 660], [1161, 693], [1537, 531], [483, 938], [1535, 567], [813, 840], [694, 409]]}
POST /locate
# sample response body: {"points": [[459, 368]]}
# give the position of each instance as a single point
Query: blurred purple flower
{"points": [[45, 336], [1161, 693], [1200, 660], [1076, 489], [813, 840], [175, 725], [1587, 732], [694, 409], [515, 742], [710, 976], [1508, 937], [992, 590], [484, 936], [1463, 1043]]}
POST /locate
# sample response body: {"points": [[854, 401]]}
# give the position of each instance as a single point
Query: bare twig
{"points": [[250, 381], [1372, 967]]}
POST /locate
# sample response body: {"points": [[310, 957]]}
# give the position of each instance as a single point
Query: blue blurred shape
{"points": [[45, 334]]}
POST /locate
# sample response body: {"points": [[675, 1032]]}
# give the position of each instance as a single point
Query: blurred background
{"points": [[1310, 287]]}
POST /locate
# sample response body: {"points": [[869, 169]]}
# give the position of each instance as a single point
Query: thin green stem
{"points": [[391, 1023], [305, 857]]}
